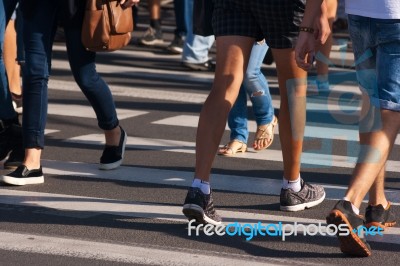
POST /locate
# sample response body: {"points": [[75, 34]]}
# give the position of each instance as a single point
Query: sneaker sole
{"points": [[196, 68], [151, 43], [193, 211], [303, 206], [383, 226], [23, 181], [350, 244], [112, 166], [175, 50]]}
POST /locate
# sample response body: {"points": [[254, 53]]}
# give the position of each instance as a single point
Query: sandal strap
{"points": [[268, 130]]}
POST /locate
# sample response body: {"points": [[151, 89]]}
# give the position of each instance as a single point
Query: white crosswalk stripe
{"points": [[309, 159]]}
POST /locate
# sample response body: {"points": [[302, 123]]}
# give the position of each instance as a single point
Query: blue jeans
{"points": [[6, 108], [196, 47], [256, 86], [39, 33], [376, 46], [182, 18]]}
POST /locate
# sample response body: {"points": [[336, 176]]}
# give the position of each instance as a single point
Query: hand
{"points": [[305, 47], [129, 3], [305, 50], [321, 24]]}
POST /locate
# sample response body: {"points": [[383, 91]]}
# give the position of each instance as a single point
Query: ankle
{"points": [[382, 202], [32, 158], [113, 136], [356, 209]]}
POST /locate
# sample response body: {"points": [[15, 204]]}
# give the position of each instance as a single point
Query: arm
{"points": [[315, 17]]}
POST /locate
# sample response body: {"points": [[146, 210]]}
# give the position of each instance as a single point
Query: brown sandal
{"points": [[265, 133], [230, 150]]}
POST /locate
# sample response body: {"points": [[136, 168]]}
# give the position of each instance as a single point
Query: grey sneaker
{"points": [[151, 37], [200, 207], [309, 196]]}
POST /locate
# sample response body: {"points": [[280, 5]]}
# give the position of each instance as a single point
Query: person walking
{"points": [[10, 127], [237, 25], [254, 85], [375, 34], [40, 22]]}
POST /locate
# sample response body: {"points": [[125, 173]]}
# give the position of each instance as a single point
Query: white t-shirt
{"points": [[382, 9]]}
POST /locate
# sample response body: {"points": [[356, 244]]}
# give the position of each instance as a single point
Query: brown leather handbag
{"points": [[106, 26]]}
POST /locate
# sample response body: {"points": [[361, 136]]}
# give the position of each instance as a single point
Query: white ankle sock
{"points": [[203, 185], [293, 185], [355, 209]]}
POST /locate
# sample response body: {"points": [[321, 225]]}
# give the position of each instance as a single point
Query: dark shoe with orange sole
{"points": [[353, 244], [379, 216]]}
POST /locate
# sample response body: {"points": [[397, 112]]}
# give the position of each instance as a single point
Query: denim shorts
{"points": [[277, 21], [376, 46]]}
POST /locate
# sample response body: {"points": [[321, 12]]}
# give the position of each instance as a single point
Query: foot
{"points": [[352, 244], [113, 155], [176, 46], [206, 66], [151, 37], [23, 176], [379, 216], [200, 207], [309, 196], [265, 135], [233, 147]]}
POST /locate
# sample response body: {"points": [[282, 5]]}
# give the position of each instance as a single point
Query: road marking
{"points": [[308, 159], [312, 130], [86, 111], [244, 184], [152, 211], [132, 253]]}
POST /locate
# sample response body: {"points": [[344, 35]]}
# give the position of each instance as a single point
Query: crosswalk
{"points": [[87, 206]]}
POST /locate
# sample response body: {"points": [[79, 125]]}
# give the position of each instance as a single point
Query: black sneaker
{"points": [[379, 216], [22, 176], [206, 66], [151, 37], [309, 196], [200, 207], [7, 136], [114, 155], [176, 46], [352, 244]]}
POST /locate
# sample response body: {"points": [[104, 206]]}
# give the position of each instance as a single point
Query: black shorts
{"points": [[277, 21]]}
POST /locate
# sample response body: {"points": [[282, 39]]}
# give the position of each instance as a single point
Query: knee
{"points": [[86, 79]]}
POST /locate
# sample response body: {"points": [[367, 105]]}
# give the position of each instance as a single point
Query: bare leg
{"points": [[10, 55], [113, 136], [323, 67], [376, 147], [154, 9], [377, 191], [32, 158], [233, 53], [292, 113]]}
